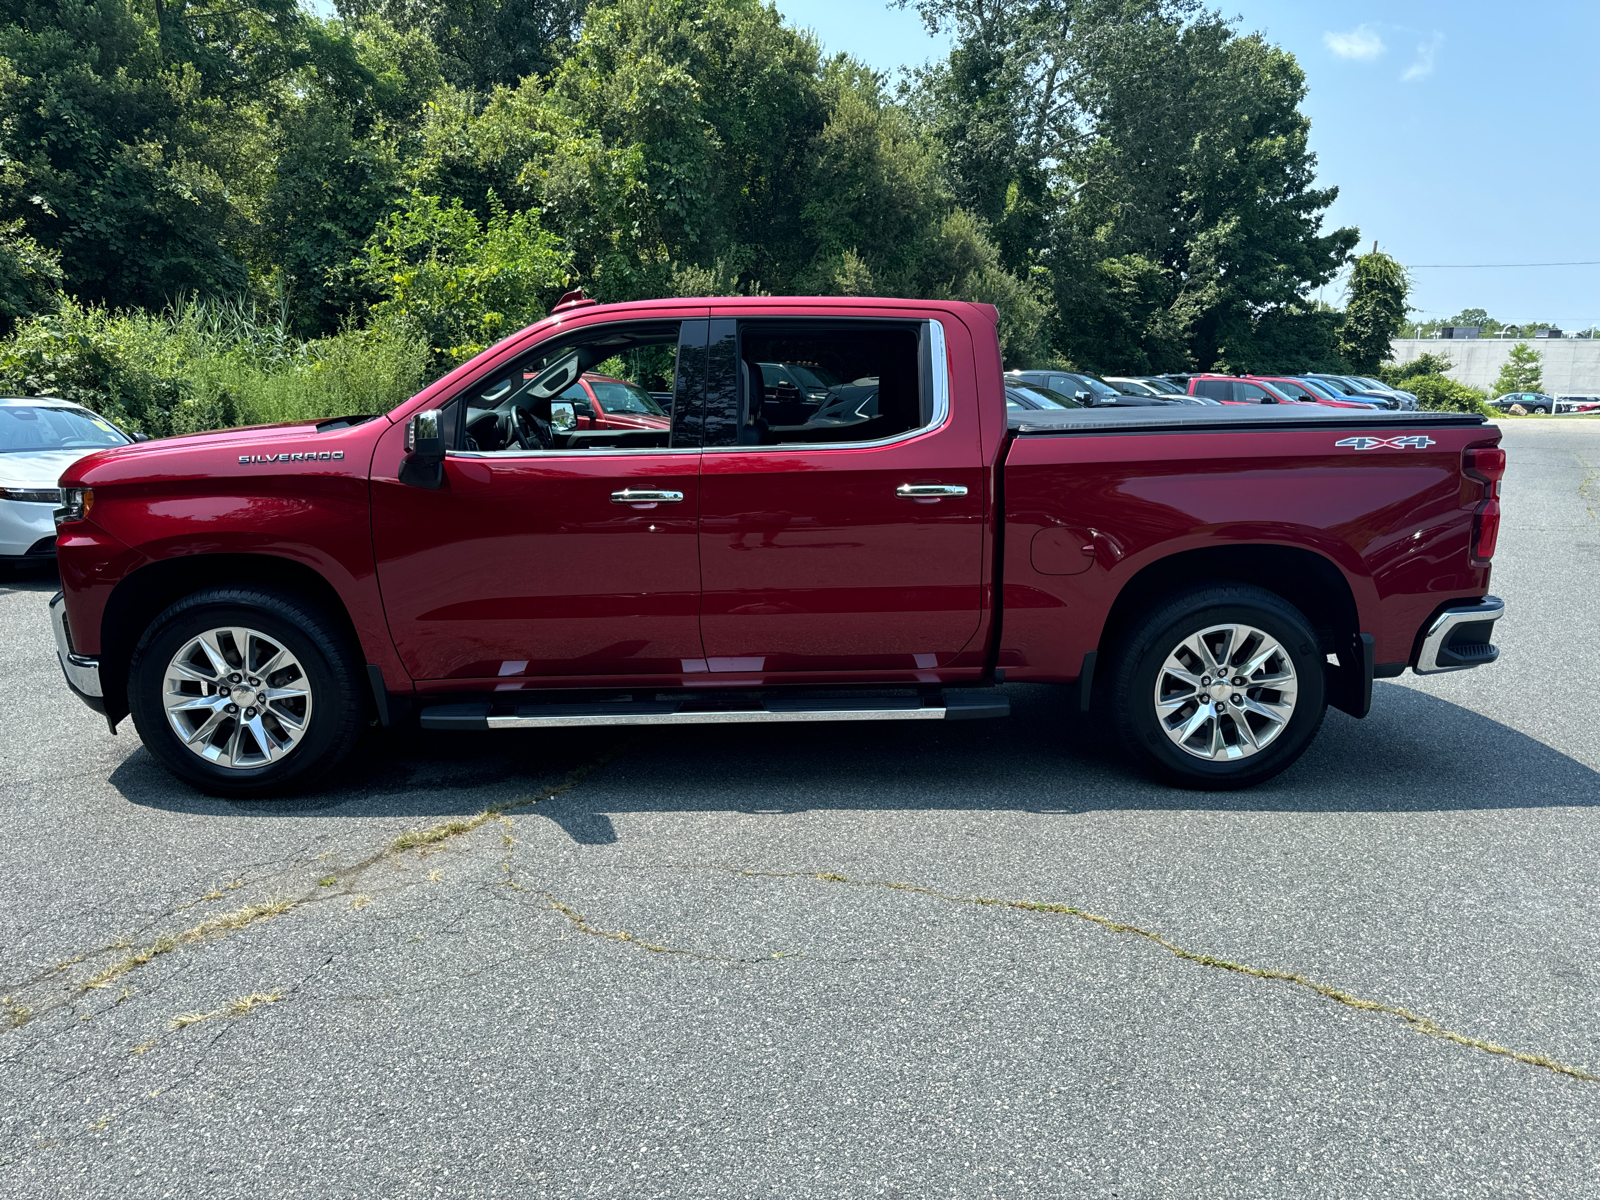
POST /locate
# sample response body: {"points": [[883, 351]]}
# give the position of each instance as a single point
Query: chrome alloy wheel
{"points": [[237, 698], [1225, 692]]}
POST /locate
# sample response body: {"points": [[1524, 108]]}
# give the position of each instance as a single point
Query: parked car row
{"points": [[1574, 404], [1126, 391]]}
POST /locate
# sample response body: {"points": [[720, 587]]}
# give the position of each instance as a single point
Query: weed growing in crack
{"points": [[421, 839], [360, 902], [1422, 1024], [167, 942], [233, 1008], [17, 1013], [327, 881]]}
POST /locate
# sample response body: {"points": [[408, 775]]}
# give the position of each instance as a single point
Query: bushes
{"points": [[1436, 393], [208, 365]]}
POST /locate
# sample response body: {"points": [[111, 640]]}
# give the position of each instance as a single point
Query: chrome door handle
{"points": [[645, 496], [928, 491]]}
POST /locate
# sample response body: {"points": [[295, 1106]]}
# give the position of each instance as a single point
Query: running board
{"points": [[956, 707]]}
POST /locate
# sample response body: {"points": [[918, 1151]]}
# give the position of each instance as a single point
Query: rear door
{"points": [[851, 539]]}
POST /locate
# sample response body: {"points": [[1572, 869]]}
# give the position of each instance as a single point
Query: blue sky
{"points": [[1461, 132]]}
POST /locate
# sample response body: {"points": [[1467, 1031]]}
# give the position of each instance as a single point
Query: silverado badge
{"points": [[308, 456]]}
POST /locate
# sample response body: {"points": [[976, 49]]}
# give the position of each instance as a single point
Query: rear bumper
{"points": [[1458, 638], [83, 673]]}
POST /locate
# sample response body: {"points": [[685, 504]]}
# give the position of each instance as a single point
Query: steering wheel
{"points": [[530, 432]]}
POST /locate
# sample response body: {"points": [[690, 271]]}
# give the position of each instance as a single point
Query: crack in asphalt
{"points": [[1417, 1021]]}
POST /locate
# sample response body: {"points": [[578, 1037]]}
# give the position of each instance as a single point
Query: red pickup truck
{"points": [[1209, 579]]}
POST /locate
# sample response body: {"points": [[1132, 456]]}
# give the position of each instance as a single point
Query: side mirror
{"points": [[563, 415], [423, 465], [141, 437]]}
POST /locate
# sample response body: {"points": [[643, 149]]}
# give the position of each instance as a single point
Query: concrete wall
{"points": [[1570, 366]]}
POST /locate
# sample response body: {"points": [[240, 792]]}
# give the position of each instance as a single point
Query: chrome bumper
{"points": [[1459, 638], [83, 674]]}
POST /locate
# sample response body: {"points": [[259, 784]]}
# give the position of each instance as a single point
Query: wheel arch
{"points": [[139, 598], [1310, 581]]}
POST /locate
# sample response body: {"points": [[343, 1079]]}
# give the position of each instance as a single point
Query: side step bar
{"points": [[956, 707]]}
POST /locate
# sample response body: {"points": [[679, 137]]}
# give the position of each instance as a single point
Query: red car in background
{"points": [[1304, 392], [601, 402]]}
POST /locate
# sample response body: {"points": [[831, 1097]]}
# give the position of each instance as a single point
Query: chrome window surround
{"points": [[940, 363]]}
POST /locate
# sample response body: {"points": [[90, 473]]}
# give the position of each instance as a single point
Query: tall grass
{"points": [[209, 364]]}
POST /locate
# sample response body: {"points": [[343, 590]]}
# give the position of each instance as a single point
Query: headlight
{"points": [[75, 505], [32, 495]]}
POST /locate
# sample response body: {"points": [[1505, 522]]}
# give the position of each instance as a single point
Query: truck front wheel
{"points": [[244, 691], [1219, 687]]}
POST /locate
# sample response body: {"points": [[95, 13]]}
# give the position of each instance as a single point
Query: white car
{"points": [[40, 437]]}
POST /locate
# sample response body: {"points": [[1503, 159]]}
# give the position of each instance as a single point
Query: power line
{"points": [[1494, 266]]}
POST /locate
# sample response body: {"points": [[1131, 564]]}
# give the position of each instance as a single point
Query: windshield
{"points": [[29, 429], [625, 398], [1132, 387], [1317, 388], [1162, 387], [1043, 397], [1097, 387]]}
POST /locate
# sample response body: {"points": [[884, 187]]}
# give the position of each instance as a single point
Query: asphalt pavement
{"points": [[671, 963]]}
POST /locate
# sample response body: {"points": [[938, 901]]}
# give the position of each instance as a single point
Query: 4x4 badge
{"points": [[1414, 441]]}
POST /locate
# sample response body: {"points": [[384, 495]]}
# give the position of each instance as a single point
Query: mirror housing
{"points": [[423, 465], [141, 437]]}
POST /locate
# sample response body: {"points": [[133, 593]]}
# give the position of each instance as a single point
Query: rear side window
{"points": [[1214, 389], [828, 382]]}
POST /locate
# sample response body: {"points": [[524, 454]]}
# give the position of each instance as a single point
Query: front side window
{"points": [[30, 428], [541, 402], [825, 382], [1251, 392]]}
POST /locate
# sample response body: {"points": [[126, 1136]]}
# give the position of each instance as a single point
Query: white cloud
{"points": [[1422, 66], [1361, 43]]}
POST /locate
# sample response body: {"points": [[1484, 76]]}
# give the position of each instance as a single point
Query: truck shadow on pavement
{"points": [[1415, 753]]}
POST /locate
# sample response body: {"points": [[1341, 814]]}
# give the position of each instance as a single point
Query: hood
{"points": [[256, 435], [38, 468]]}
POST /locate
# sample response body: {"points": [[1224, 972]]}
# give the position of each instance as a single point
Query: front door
{"points": [[840, 531], [551, 552]]}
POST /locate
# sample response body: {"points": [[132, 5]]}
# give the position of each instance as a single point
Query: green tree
{"points": [[1147, 163], [464, 283], [1376, 311], [483, 44], [133, 138], [30, 277], [1522, 371]]}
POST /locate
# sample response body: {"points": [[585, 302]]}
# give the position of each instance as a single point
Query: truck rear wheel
{"points": [[1219, 687], [245, 691]]}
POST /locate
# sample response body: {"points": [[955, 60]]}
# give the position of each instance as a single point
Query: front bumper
{"points": [[83, 673], [23, 526], [1458, 638]]}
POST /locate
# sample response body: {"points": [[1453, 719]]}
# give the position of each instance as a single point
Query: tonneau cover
{"points": [[1178, 418]]}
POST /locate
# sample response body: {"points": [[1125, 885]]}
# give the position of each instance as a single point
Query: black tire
{"points": [[1144, 650], [321, 648]]}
